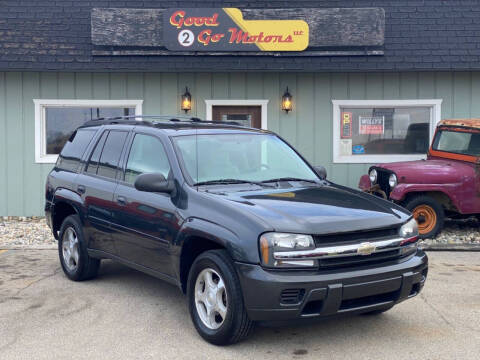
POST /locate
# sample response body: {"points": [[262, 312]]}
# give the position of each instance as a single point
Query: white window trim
{"points": [[40, 104], [435, 116], [262, 103]]}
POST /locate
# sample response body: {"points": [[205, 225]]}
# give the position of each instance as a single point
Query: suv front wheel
{"points": [[215, 299], [72, 250]]}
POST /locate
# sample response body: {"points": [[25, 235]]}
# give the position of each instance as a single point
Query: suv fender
{"points": [[61, 199], [216, 235]]}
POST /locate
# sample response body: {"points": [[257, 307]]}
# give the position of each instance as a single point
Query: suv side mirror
{"points": [[321, 171], [153, 182]]}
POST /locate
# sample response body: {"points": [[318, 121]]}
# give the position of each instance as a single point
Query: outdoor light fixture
{"points": [[287, 104], [186, 101]]}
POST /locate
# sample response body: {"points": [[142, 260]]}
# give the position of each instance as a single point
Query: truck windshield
{"points": [[240, 158], [458, 142]]}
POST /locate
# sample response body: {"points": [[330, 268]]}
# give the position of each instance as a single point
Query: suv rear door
{"points": [[96, 184], [144, 223]]}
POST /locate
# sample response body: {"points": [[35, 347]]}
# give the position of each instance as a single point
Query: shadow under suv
{"points": [[234, 217]]}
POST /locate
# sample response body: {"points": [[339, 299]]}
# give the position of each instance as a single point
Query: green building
{"points": [[368, 92]]}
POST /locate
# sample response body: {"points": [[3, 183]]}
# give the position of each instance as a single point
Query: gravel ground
{"points": [[34, 233], [25, 233]]}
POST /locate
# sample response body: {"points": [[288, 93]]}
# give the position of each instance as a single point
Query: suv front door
{"points": [[144, 223]]}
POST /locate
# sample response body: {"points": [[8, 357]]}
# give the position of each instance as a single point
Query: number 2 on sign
{"points": [[186, 38]]}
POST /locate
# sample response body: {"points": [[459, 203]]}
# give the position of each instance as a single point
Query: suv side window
{"points": [[147, 155], [95, 158], [69, 158], [111, 152]]}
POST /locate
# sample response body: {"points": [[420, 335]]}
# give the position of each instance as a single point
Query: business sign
{"points": [[346, 125], [371, 125], [224, 29]]}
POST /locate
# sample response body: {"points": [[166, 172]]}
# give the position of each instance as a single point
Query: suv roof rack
{"points": [[132, 120]]}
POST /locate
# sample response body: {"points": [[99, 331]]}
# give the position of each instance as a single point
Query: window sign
{"points": [[369, 131], [371, 125], [346, 129]]}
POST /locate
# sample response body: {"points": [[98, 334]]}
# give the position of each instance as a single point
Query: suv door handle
{"points": [[81, 189], [121, 200]]}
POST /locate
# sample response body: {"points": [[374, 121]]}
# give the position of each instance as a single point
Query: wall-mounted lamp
{"points": [[287, 104], [186, 101]]}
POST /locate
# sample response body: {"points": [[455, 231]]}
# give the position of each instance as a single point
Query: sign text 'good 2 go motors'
{"points": [[213, 29]]}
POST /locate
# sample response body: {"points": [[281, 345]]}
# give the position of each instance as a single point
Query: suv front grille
{"points": [[352, 261], [349, 237], [357, 237]]}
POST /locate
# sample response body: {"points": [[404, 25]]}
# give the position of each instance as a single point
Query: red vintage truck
{"points": [[447, 183]]}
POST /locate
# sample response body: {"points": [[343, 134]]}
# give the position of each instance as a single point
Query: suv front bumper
{"points": [[286, 295]]}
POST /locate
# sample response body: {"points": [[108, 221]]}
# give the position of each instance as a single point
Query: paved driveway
{"points": [[126, 314]]}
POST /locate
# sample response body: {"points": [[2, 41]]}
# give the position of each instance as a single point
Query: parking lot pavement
{"points": [[126, 314]]}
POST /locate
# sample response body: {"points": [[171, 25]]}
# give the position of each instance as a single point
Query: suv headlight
{"points": [[392, 181], [373, 176], [273, 242], [409, 233], [409, 229]]}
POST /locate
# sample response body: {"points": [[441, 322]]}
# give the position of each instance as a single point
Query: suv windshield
{"points": [[458, 142], [231, 158]]}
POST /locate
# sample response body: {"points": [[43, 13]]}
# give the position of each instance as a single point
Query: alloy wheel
{"points": [[70, 251], [211, 298]]}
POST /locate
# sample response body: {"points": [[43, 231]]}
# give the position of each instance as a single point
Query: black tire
{"points": [[378, 311], [435, 223], [236, 326], [87, 267]]}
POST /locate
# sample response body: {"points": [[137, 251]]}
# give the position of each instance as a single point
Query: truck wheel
{"points": [[215, 299], [76, 263], [429, 215]]}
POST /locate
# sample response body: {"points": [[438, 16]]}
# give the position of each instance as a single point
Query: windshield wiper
{"points": [[289, 179], [232, 181]]}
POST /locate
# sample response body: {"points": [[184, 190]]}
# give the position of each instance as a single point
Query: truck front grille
{"points": [[382, 181]]}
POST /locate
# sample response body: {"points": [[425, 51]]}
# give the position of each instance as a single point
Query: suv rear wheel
{"points": [[215, 299], [72, 250], [428, 213]]}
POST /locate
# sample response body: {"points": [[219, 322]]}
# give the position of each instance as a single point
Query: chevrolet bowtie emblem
{"points": [[366, 248]]}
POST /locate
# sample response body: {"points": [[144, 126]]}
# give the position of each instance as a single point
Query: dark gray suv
{"points": [[234, 217]]}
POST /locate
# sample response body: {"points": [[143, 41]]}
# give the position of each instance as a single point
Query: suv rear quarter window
{"points": [[74, 148]]}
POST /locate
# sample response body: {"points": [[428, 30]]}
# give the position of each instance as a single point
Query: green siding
{"points": [[308, 127]]}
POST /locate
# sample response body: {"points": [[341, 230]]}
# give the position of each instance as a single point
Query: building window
{"points": [[371, 131], [56, 120]]}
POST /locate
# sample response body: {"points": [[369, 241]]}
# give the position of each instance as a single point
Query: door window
{"points": [[111, 152], [95, 158], [147, 155]]}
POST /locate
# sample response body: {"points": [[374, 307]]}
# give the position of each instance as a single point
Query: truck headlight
{"points": [[373, 176], [277, 242], [392, 181]]}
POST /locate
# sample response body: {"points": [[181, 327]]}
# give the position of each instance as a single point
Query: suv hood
{"points": [[431, 171], [319, 210]]}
